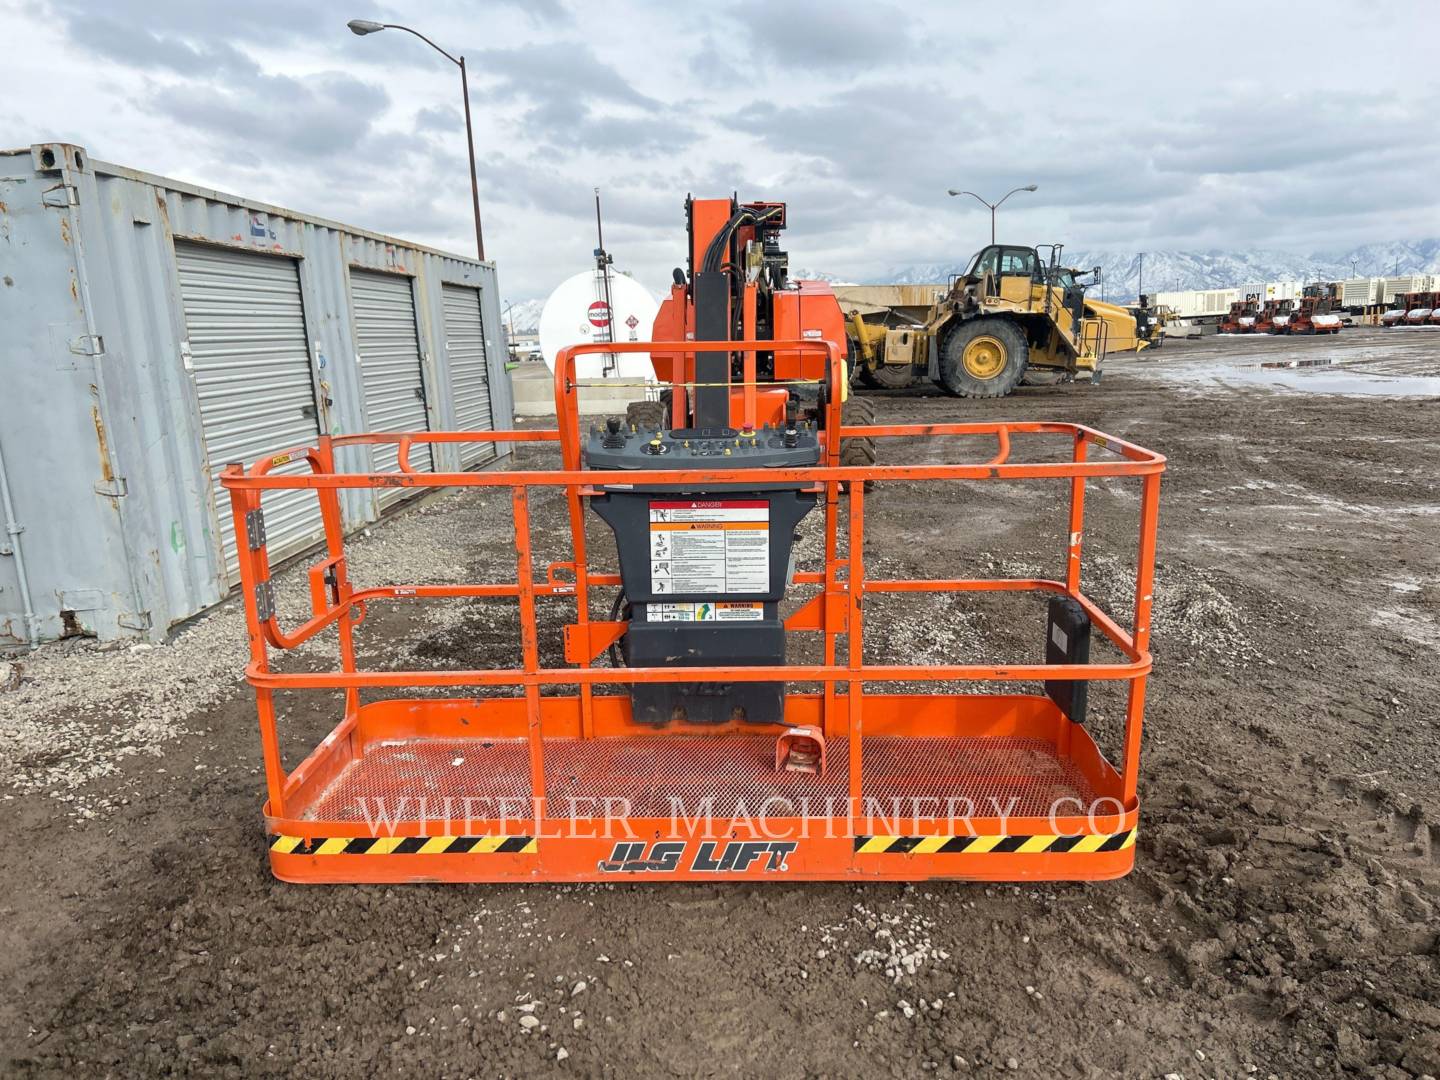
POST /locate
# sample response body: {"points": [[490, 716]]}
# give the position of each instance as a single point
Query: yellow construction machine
{"points": [[1010, 316]]}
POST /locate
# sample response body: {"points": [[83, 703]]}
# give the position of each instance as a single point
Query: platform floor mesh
{"points": [[650, 777]]}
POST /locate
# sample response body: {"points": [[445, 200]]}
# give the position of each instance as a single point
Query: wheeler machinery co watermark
{"points": [[772, 818]]}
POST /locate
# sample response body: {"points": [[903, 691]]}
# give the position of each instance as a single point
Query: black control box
{"points": [[704, 567], [1067, 641]]}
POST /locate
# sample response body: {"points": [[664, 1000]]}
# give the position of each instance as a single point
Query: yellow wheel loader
{"points": [[1011, 317]]}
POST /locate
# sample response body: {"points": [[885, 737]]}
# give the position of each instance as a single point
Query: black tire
{"points": [[893, 376], [649, 415], [865, 377], [1005, 347], [859, 412]]}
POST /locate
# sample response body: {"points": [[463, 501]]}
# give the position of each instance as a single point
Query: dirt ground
{"points": [[1283, 917]]}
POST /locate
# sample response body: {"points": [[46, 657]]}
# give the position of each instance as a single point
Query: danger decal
{"points": [[719, 546]]}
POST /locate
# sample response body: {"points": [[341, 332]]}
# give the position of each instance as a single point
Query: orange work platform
{"points": [[852, 782]]}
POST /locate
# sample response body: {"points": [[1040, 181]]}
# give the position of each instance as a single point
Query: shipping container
{"points": [[1408, 283], [1283, 290], [156, 331], [1196, 303], [1361, 292]]}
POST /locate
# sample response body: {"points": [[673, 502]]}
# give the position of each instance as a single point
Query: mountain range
{"points": [[1123, 273]]}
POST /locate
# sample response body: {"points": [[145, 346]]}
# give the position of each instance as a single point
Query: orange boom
{"points": [[655, 771]]}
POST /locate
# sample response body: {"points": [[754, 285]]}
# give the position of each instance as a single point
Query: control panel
{"points": [[616, 445]]}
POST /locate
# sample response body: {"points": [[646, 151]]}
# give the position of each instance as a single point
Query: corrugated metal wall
{"points": [[135, 306], [469, 373], [249, 356], [393, 380]]}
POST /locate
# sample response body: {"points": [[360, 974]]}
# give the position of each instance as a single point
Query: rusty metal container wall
{"points": [[100, 425]]}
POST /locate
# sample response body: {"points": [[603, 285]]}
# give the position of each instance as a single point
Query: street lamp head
{"points": [[954, 191], [1031, 187], [364, 26]]}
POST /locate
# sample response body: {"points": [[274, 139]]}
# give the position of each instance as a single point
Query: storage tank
{"points": [[578, 313]]}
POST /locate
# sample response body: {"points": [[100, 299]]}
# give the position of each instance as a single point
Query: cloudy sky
{"points": [[1146, 125]]}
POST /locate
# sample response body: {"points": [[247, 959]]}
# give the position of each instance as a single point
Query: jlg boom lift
{"points": [[702, 751]]}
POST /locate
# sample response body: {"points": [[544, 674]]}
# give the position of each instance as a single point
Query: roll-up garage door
{"points": [[250, 357], [390, 369], [469, 375]]}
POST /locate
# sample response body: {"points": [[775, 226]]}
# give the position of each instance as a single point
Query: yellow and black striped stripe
{"points": [[993, 845], [405, 845]]}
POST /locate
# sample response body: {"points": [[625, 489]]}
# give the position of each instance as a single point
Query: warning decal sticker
{"points": [[710, 546], [704, 611]]}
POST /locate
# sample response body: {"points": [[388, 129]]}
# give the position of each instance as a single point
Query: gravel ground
{"points": [[1281, 920]]}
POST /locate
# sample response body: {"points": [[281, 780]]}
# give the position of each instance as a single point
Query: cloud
{"points": [[860, 116], [822, 34], [558, 72], [439, 118], [538, 11], [262, 23], [136, 46], [559, 86], [314, 115]]}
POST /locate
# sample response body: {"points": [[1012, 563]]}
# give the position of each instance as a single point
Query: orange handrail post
{"points": [[1144, 599], [530, 650], [1077, 520], [855, 644]]}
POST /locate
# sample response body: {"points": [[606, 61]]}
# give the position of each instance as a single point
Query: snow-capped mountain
{"points": [[1121, 272], [800, 273], [523, 316]]}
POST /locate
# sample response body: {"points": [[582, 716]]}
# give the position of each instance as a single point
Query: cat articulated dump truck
{"points": [[1011, 317]]}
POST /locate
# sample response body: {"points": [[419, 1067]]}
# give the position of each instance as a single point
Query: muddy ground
{"points": [[1282, 918]]}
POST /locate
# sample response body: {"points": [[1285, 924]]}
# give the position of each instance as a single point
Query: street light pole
{"points": [[362, 27], [470, 145], [995, 205]]}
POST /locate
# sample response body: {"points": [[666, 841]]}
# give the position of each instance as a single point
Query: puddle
{"points": [[1323, 362], [1416, 628], [1317, 375]]}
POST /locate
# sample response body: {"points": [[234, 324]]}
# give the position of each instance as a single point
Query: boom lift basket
{"points": [[855, 783]]}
